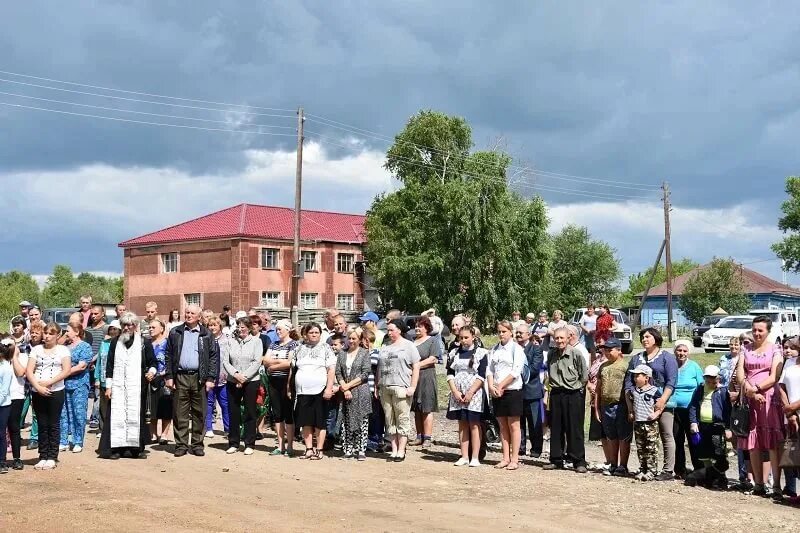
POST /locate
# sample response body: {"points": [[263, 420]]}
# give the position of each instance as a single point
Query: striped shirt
{"points": [[374, 357], [281, 351], [644, 400]]}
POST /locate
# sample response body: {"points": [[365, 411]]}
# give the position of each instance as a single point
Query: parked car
{"points": [[784, 320], [622, 331], [59, 315], [718, 337], [705, 324]]}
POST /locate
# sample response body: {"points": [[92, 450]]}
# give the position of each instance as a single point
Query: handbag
{"points": [[790, 456], [740, 417]]}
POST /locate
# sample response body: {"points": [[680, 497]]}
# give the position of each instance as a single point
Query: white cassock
{"points": [[126, 395]]}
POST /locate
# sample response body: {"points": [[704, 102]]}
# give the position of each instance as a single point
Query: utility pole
{"points": [[298, 196], [668, 260], [638, 321]]}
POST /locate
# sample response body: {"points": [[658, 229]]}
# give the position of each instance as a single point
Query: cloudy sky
{"points": [[604, 102]]}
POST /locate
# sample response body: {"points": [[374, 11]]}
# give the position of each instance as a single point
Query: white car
{"points": [[719, 336], [784, 320], [622, 331]]}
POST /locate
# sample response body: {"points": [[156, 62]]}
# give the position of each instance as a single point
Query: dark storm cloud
{"points": [[703, 95]]}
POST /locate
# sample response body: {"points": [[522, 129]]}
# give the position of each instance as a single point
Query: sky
{"points": [[598, 104]]}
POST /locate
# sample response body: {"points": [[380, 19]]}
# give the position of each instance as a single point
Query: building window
{"points": [[192, 299], [345, 262], [270, 299], [309, 259], [344, 302], [169, 263], [269, 258], [308, 300]]}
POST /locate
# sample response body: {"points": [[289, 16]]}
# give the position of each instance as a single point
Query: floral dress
{"points": [[766, 419]]}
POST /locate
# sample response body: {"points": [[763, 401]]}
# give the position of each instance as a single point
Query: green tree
{"points": [[454, 237], [637, 283], [718, 284], [15, 286], [789, 248], [100, 288], [583, 270], [60, 289]]}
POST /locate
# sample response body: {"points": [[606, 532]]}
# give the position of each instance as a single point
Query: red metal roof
{"points": [[754, 283], [260, 221]]}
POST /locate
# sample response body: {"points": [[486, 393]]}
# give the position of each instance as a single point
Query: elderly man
{"points": [[267, 329], [329, 320], [192, 369], [24, 312], [568, 374], [574, 340], [130, 366], [532, 392]]}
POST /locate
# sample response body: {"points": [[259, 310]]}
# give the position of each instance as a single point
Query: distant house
{"points": [[763, 291], [242, 256]]}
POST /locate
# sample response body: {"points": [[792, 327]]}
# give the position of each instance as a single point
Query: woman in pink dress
{"points": [[757, 373]]}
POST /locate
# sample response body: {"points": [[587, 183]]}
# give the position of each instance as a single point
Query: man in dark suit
{"points": [[532, 392], [192, 369]]}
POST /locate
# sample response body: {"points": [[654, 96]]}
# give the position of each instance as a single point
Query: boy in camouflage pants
{"points": [[641, 410]]}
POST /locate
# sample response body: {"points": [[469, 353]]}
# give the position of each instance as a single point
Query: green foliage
{"points": [[720, 284], [789, 248], [583, 270], [64, 289], [454, 237], [15, 286], [637, 283]]}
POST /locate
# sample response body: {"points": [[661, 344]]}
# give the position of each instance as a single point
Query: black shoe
{"points": [[3, 469], [665, 476], [760, 490], [553, 466], [399, 458], [259, 436], [199, 452], [581, 469], [33, 445], [17, 464], [180, 452], [536, 455], [620, 471]]}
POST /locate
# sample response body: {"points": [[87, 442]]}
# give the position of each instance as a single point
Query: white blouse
{"points": [[507, 360], [48, 366]]}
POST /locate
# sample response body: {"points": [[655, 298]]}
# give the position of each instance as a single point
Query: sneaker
{"points": [[665, 476], [276, 451], [77, 449], [17, 464], [232, 449], [474, 463], [744, 486], [639, 476], [63, 448], [620, 471], [362, 457], [416, 442], [33, 445], [347, 456], [93, 425], [49, 465], [759, 490], [3, 469], [248, 451], [209, 434], [648, 476], [461, 462], [426, 444], [40, 465], [609, 472], [580, 469]]}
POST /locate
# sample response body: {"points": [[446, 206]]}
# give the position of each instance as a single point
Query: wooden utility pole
{"points": [[649, 284], [668, 260], [298, 196]]}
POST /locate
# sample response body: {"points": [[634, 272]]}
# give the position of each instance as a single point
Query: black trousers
{"points": [[247, 395], [48, 413], [680, 431], [15, 427], [567, 411], [531, 425]]}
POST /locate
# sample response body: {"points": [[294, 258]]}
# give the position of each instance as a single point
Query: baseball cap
{"points": [[241, 314], [115, 324], [369, 315], [711, 371], [25, 303], [612, 342], [642, 369]]}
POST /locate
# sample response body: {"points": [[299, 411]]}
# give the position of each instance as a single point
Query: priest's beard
{"points": [[125, 337]]}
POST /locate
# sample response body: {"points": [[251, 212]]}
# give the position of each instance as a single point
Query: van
{"points": [[784, 322]]}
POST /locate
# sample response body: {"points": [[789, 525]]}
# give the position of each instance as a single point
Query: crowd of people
{"points": [[331, 384]]}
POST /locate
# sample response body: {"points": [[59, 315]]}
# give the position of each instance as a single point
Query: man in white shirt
{"points": [[574, 340]]}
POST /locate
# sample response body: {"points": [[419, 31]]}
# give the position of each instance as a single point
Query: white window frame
{"points": [[265, 299], [303, 303], [304, 259], [277, 264], [199, 295], [166, 259], [352, 257], [350, 306]]}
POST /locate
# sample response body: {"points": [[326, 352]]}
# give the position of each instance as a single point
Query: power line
{"points": [[145, 122], [601, 196], [141, 112], [143, 93], [367, 133], [143, 101]]}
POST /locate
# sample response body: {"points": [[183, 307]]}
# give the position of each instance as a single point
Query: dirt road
{"points": [[219, 492]]}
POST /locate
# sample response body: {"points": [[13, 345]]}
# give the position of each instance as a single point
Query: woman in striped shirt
{"points": [[276, 362]]}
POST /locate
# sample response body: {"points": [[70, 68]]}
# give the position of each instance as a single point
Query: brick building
{"points": [[242, 256]]}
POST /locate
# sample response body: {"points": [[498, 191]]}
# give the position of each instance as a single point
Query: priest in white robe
{"points": [[130, 366]]}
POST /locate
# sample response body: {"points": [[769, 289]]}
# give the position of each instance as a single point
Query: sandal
{"points": [[276, 451], [310, 453], [317, 456], [501, 465]]}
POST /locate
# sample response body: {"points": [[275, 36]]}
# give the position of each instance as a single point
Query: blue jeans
{"points": [[219, 394], [376, 425], [332, 420]]}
